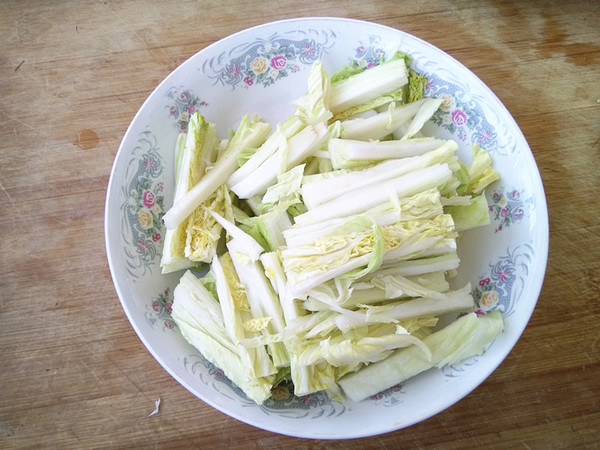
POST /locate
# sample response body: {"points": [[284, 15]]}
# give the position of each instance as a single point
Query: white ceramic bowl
{"points": [[505, 261]]}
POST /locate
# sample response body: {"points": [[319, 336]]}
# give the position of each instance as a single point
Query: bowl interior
{"points": [[261, 71]]}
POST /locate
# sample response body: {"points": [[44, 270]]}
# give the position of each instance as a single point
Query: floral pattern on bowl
{"points": [[159, 310], [282, 402], [265, 61], [369, 54], [508, 208], [183, 103], [502, 285], [460, 114], [391, 396], [143, 207]]}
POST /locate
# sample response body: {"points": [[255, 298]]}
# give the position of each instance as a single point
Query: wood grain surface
{"points": [[73, 74]]}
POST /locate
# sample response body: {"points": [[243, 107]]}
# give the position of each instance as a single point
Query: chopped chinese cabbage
{"points": [[468, 336], [195, 239], [250, 133], [341, 233], [198, 315], [481, 173]]}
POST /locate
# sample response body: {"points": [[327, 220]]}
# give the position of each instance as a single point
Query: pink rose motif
{"points": [[168, 324], [143, 245], [504, 274], [307, 399], [248, 81], [459, 117], [278, 62], [371, 64], [191, 109], [503, 212], [169, 306], [148, 199], [156, 237]]}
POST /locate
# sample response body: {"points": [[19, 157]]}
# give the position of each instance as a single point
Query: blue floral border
{"points": [[460, 114], [283, 403], [181, 105], [509, 207], [143, 207], [503, 283], [265, 61], [159, 310]]}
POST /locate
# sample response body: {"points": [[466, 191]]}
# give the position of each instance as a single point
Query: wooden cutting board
{"points": [[73, 74]]}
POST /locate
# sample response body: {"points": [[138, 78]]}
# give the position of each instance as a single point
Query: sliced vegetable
{"points": [[198, 315], [250, 133], [351, 153], [362, 87], [293, 152], [195, 239], [481, 173], [467, 336]]}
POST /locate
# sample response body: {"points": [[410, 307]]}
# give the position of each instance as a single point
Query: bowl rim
{"points": [[536, 284]]}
